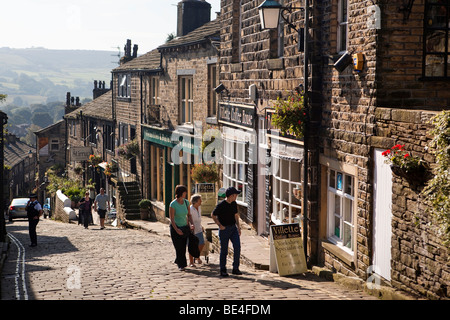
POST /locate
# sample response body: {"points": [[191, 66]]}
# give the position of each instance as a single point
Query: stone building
{"points": [[160, 96], [362, 220]]}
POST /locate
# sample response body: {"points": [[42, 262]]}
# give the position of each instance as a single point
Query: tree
{"points": [[2, 97]]}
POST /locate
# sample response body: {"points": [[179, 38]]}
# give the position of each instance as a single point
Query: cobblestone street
{"points": [[72, 263]]}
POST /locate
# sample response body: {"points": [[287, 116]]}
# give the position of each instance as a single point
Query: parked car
{"points": [[17, 207], [47, 209]]}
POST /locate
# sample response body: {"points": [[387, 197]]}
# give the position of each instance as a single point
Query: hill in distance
{"points": [[38, 75]]}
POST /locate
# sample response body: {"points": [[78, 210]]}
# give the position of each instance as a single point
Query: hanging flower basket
{"points": [[95, 160], [128, 150], [403, 164], [205, 173], [290, 115]]}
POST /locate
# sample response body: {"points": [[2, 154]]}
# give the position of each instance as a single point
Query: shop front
{"points": [[170, 155]]}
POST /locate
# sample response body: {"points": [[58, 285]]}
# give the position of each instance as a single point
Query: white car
{"points": [[17, 207]]}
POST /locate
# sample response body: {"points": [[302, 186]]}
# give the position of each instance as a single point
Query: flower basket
{"points": [[128, 150], [205, 173], [403, 164], [95, 160], [290, 116]]}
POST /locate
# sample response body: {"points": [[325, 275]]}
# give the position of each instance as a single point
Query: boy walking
{"points": [[226, 216], [100, 201]]}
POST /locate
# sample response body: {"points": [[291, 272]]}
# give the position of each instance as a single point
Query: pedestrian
{"points": [[196, 214], [180, 225], [85, 209], [226, 215], [34, 211], [100, 206]]}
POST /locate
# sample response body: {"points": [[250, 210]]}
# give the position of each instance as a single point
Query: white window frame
{"points": [[155, 99], [286, 208], [342, 25], [186, 86], [235, 167], [124, 87], [346, 195], [53, 143]]}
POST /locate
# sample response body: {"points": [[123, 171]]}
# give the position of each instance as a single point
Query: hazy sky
{"points": [[89, 24]]}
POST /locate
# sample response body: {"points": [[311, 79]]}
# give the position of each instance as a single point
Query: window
{"points": [[212, 83], [92, 132], [123, 133], [341, 203], [186, 99], [124, 86], [109, 138], [235, 166], [155, 90], [54, 145], [436, 34], [286, 188], [342, 25]]}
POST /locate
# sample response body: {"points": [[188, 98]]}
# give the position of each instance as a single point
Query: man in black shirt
{"points": [[227, 218]]}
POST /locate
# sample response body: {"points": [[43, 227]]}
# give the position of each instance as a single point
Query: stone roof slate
{"points": [[100, 108]]}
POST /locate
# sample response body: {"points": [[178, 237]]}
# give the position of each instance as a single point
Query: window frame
{"points": [[154, 87], [232, 167], [435, 30], [186, 100], [347, 206], [124, 85], [213, 102], [342, 26]]}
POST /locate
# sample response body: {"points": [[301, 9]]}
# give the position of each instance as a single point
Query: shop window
{"points": [[341, 204], [186, 99], [235, 167], [286, 189], [436, 37], [342, 25]]}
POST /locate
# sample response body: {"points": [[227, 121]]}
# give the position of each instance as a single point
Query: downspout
{"points": [[306, 135]]}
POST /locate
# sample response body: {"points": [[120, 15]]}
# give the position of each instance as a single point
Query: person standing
{"points": [[85, 208], [34, 211], [100, 206], [226, 216], [180, 218], [196, 214]]}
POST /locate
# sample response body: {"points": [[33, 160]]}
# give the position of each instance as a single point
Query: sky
{"points": [[89, 24]]}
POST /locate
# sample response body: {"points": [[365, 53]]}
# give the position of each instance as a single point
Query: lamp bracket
{"points": [[406, 9], [290, 9]]}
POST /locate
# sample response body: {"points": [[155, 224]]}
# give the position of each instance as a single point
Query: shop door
{"points": [[382, 229]]}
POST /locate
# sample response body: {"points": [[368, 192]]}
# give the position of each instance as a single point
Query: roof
{"points": [[16, 151], [100, 108], [201, 34], [151, 61], [57, 123]]}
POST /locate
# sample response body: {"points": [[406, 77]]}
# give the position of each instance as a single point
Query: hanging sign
{"points": [[287, 247]]}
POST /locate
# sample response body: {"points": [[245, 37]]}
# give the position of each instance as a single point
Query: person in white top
{"points": [[196, 214]]}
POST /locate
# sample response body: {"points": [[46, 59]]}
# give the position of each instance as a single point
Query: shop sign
{"points": [[287, 249], [80, 153], [171, 139], [237, 114], [208, 193]]}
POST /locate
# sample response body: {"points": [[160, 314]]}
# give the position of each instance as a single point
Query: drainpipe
{"points": [[306, 135]]}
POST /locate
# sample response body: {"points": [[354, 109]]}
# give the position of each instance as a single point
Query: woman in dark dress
{"points": [[85, 209]]}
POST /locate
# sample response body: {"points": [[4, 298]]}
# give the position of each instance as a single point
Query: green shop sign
{"points": [[183, 139]]}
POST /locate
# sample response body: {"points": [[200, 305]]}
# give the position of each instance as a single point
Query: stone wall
{"points": [[419, 259]]}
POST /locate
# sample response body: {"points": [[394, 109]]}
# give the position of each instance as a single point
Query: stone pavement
{"points": [[71, 263]]}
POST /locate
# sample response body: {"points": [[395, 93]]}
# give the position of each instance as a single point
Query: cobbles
{"points": [[71, 263]]}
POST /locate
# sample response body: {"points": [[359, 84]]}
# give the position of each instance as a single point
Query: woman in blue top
{"points": [[180, 225]]}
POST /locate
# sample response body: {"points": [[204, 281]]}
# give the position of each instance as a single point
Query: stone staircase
{"points": [[129, 197]]}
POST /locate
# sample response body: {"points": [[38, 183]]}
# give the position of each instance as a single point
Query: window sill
{"points": [[211, 120], [124, 99], [339, 252]]}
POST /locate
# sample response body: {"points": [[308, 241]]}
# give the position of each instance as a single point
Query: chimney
{"points": [[128, 57], [99, 90], [191, 15]]}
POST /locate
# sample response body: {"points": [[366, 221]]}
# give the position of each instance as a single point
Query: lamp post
{"points": [[269, 12]]}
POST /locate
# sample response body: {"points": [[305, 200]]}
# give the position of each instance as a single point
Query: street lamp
{"points": [[269, 12], [269, 15]]}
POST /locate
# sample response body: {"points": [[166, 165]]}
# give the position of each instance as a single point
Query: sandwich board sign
{"points": [[287, 253]]}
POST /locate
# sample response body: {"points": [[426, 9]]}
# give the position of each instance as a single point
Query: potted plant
{"points": [[128, 150], [144, 205], [95, 160], [290, 115], [405, 165]]}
